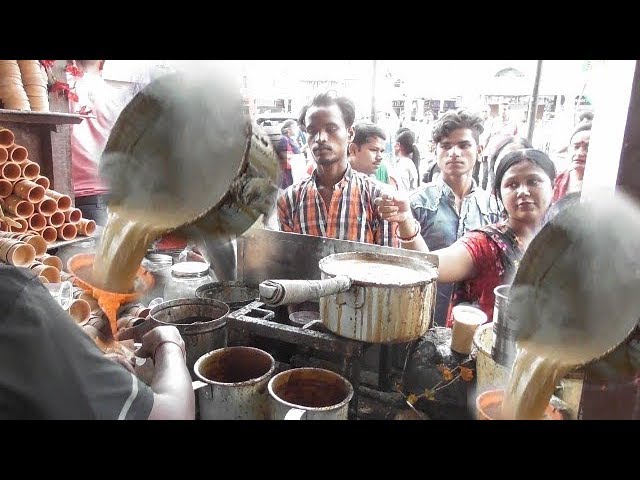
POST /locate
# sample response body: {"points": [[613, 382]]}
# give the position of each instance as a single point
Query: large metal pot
{"points": [[370, 297], [200, 321], [234, 294], [233, 383]]}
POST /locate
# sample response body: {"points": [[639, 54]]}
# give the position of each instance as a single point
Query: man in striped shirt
{"points": [[336, 201]]}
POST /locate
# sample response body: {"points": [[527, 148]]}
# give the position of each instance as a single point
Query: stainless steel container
{"points": [[387, 299], [233, 384], [201, 322], [309, 394], [503, 348]]}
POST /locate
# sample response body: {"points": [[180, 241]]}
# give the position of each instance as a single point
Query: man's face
{"points": [[457, 153], [328, 135], [367, 158], [578, 149]]}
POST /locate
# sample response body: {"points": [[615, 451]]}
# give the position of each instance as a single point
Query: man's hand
{"points": [[154, 338], [394, 208]]}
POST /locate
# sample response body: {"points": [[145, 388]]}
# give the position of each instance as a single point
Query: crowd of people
{"points": [[491, 196], [335, 183]]}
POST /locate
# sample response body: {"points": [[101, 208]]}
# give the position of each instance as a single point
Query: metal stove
{"points": [[372, 369]]}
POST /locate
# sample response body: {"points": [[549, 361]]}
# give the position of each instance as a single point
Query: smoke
{"points": [[178, 144], [577, 289]]}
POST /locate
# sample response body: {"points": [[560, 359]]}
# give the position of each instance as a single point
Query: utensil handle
{"points": [[285, 292]]}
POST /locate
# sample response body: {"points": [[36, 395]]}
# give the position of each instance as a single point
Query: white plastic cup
{"points": [[466, 319], [62, 293]]}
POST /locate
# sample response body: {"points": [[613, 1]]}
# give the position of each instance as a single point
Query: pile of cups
{"points": [[12, 92], [34, 81], [16, 252]]}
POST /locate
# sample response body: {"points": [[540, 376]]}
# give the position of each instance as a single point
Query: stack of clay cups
{"points": [[80, 308], [66, 217], [34, 81], [6, 141], [15, 252], [12, 92], [33, 239], [52, 274]]}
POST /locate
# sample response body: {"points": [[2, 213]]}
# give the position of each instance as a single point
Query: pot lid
{"points": [[379, 269], [190, 269], [577, 285]]}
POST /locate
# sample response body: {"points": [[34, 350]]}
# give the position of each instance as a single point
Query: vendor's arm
{"points": [[395, 209], [455, 263], [173, 396]]}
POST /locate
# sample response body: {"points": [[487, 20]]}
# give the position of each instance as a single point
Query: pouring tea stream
{"points": [[182, 156]]}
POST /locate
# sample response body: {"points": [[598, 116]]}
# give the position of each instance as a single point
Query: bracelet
{"points": [[412, 237], [184, 353]]}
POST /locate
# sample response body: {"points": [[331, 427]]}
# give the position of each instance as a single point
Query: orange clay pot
{"points": [[489, 407], [109, 302]]}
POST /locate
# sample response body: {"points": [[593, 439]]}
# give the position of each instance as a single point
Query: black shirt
{"points": [[49, 368]]}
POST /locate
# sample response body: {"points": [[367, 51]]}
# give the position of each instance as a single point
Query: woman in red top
{"points": [[485, 258]]}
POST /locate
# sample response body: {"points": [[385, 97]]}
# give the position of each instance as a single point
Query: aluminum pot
{"points": [[369, 297], [183, 148], [233, 384], [309, 394], [234, 294], [200, 321]]}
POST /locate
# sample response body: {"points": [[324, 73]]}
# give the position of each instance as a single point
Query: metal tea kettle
{"points": [[183, 147]]}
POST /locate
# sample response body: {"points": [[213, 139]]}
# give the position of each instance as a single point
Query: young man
{"points": [[570, 181], [366, 153], [336, 201], [453, 204]]}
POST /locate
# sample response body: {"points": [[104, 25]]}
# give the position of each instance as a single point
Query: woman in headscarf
{"points": [[487, 257]]}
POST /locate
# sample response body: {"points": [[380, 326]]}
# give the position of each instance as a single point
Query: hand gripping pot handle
{"points": [[285, 292]]}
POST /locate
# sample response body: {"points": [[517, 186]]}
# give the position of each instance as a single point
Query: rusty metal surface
{"points": [[234, 294], [380, 314], [199, 337], [236, 381], [310, 393], [287, 333], [266, 254]]}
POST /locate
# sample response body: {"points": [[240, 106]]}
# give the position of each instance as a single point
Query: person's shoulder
{"points": [[486, 202], [426, 195], [296, 188], [429, 189]]}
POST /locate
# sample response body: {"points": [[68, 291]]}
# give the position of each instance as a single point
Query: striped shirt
{"points": [[351, 215]]}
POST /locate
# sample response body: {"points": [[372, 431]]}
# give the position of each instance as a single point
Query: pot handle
{"points": [[198, 384], [295, 414], [285, 292]]}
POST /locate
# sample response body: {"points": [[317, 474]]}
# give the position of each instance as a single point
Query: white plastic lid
{"points": [[190, 269]]}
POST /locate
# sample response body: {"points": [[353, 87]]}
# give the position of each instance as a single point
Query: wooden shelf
{"points": [[51, 118]]}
